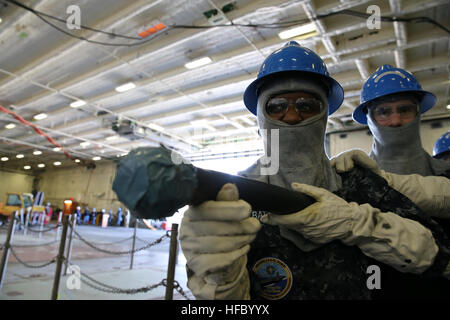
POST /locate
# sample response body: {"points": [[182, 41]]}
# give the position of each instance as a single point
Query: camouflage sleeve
{"points": [[363, 186]]}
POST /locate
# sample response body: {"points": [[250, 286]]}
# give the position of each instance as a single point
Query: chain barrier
{"points": [[110, 289], [142, 240], [95, 284], [121, 252], [179, 289], [114, 242], [29, 265], [30, 228]]}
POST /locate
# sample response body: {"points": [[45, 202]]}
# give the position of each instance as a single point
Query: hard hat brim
{"points": [[428, 101], [335, 95]]}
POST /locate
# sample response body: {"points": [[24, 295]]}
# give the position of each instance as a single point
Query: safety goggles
{"points": [[383, 113], [277, 107]]}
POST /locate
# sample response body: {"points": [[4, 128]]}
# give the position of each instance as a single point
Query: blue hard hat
{"points": [[442, 144], [387, 80], [294, 58]]}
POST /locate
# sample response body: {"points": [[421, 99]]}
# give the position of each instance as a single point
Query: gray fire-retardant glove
{"points": [[215, 238]]}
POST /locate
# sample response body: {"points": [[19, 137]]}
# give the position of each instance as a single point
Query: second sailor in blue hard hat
{"points": [[392, 101], [441, 148]]}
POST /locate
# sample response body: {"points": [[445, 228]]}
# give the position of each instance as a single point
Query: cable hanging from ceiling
{"points": [[46, 136], [278, 25]]}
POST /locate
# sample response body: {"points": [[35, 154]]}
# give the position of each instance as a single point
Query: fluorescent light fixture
{"points": [[297, 31], [4, 159], [57, 163], [85, 143], [448, 106], [126, 87], [156, 127], [112, 138], [68, 201], [40, 116], [20, 156], [10, 126], [27, 167], [37, 152], [78, 103], [96, 158], [198, 63], [56, 149], [77, 160], [41, 165]]}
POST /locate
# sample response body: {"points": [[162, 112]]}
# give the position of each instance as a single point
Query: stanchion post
{"points": [[6, 248], [172, 261], [134, 243], [27, 220], [58, 225], [73, 222], [60, 259], [22, 213], [41, 223]]}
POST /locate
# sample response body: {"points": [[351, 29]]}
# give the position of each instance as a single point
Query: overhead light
{"points": [[156, 127], [40, 116], [96, 158], [67, 201], [37, 152], [126, 87], [10, 126], [448, 106], [111, 138], [298, 31], [198, 63], [27, 167], [4, 159], [77, 160], [57, 163], [85, 143], [41, 165], [20, 156], [78, 103], [56, 149]]}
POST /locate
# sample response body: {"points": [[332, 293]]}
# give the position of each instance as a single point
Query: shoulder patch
{"points": [[274, 277]]}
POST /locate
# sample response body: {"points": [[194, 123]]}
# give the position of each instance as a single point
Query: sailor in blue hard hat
{"points": [[292, 98], [392, 101], [234, 253], [441, 149]]}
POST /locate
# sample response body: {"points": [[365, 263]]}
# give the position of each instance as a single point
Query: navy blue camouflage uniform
{"points": [[338, 271]]}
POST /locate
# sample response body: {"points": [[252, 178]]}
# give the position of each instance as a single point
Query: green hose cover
{"points": [[151, 185]]}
